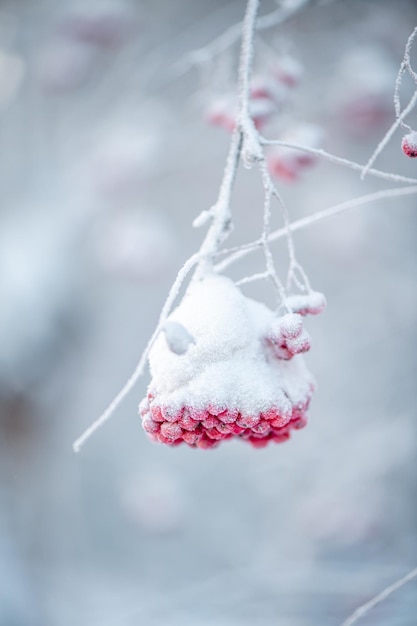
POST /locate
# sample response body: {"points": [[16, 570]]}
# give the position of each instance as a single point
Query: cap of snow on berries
{"points": [[409, 144], [226, 366]]}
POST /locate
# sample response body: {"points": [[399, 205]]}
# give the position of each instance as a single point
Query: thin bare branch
{"points": [[318, 217], [222, 220], [405, 65], [232, 35], [339, 160], [169, 302], [365, 608], [384, 141]]}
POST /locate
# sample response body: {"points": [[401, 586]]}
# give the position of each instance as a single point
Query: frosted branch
{"points": [[253, 278], [400, 115], [222, 220], [365, 608], [269, 261], [318, 217], [405, 65], [253, 152], [339, 160], [169, 302], [232, 35], [252, 245], [398, 122]]}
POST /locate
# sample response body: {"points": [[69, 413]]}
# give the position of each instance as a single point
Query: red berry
{"points": [[171, 431], [409, 144], [150, 426]]}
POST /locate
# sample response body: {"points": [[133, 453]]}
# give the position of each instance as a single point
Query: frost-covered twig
{"points": [[232, 35], [313, 219], [220, 213], [221, 217], [252, 149], [253, 152], [399, 115], [253, 278], [269, 261], [339, 160], [169, 302], [398, 122], [365, 608], [405, 65]]}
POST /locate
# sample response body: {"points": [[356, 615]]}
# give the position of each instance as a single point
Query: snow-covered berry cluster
{"points": [[242, 374], [287, 336]]}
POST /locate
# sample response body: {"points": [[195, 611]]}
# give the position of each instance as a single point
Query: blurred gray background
{"points": [[105, 161]]}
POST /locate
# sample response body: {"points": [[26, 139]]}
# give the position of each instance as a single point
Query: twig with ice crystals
{"points": [[217, 233], [253, 151], [405, 65], [269, 261], [365, 608], [169, 302], [253, 278], [220, 213], [232, 35], [339, 160], [399, 115], [221, 217], [384, 141], [240, 252]]}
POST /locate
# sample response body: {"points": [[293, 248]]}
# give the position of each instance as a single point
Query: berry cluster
{"points": [[287, 337], [206, 428], [234, 371]]}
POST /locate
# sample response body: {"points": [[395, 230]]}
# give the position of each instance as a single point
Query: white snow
{"points": [[230, 364]]}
